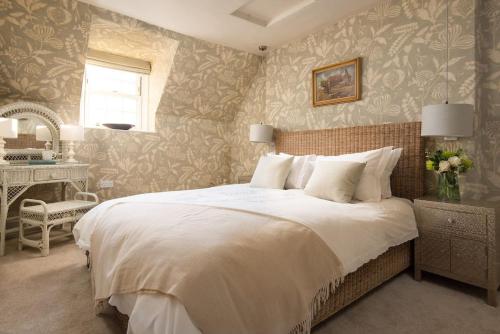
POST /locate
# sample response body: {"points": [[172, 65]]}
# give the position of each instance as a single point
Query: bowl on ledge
{"points": [[118, 126]]}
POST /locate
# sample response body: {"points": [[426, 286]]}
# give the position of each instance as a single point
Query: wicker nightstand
{"points": [[459, 240]]}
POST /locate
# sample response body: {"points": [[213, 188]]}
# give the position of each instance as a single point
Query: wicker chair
{"points": [[48, 215]]}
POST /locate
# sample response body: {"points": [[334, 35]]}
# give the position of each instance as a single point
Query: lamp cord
{"points": [[447, 49]]}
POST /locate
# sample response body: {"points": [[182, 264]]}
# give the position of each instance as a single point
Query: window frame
{"points": [[143, 116]]}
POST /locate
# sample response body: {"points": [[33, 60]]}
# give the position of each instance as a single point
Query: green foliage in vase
{"points": [[448, 161]]}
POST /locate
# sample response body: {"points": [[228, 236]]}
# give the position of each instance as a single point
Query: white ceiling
{"points": [[241, 24]]}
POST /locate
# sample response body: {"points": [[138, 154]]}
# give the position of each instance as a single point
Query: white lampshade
{"points": [[261, 133], [72, 132], [447, 120], [8, 127], [43, 133]]}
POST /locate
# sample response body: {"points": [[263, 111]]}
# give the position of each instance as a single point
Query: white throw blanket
{"points": [[355, 238]]}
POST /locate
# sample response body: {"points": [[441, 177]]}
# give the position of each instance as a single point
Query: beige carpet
{"points": [[53, 295]]}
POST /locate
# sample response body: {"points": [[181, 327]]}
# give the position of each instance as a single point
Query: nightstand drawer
{"points": [[436, 252], [469, 259], [467, 224]]}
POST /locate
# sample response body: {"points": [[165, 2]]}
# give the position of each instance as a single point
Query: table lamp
{"points": [[71, 133], [8, 129], [447, 120], [261, 133], [43, 134]]}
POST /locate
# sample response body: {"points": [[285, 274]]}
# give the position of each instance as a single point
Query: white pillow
{"points": [[386, 177], [271, 172], [369, 188], [335, 180], [309, 169], [295, 179]]}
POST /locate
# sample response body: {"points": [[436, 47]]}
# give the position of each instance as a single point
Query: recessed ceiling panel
{"points": [[267, 12]]}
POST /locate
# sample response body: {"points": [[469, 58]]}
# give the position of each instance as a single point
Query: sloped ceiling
{"points": [[145, 44], [206, 80], [261, 22]]}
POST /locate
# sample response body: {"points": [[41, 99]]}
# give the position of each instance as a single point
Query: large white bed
{"points": [[238, 259], [356, 232]]}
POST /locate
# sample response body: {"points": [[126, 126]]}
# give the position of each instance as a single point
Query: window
{"points": [[114, 94]]}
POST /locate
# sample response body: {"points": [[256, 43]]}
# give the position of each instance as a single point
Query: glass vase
{"points": [[448, 188]]}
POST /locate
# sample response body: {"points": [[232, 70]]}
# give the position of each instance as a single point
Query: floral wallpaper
{"points": [[183, 153], [488, 97], [244, 154], [402, 45], [211, 94], [131, 40], [43, 45], [190, 149], [42, 52]]}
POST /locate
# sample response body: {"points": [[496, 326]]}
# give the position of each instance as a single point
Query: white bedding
{"points": [[356, 232]]}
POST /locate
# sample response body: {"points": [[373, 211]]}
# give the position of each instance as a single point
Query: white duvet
{"points": [[356, 232]]}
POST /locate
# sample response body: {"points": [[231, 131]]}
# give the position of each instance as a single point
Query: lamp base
{"points": [[71, 154], [2, 152], [71, 161]]}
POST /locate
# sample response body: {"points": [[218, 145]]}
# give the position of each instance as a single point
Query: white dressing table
{"points": [[19, 176], [16, 179]]}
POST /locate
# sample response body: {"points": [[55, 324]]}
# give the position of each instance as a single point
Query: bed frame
{"points": [[407, 181]]}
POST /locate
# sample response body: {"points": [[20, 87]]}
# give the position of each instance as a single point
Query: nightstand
{"points": [[459, 240]]}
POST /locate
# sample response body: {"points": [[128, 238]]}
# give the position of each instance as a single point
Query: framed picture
{"points": [[337, 83]]}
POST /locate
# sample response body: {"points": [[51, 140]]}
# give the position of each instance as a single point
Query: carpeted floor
{"points": [[53, 295]]}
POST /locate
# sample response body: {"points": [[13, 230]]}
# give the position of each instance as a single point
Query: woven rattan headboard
{"points": [[407, 178]]}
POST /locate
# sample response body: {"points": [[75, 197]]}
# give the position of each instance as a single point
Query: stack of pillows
{"points": [[363, 176]]}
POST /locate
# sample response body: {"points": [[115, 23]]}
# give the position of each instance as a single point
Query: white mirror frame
{"points": [[33, 110]]}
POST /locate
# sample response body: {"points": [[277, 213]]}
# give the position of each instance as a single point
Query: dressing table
{"points": [[18, 176]]}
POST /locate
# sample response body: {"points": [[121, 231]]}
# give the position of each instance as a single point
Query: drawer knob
{"points": [[451, 220]]}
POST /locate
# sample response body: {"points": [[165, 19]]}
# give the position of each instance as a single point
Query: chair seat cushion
{"points": [[60, 207]]}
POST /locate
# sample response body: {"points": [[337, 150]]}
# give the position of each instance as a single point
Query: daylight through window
{"points": [[113, 94]]}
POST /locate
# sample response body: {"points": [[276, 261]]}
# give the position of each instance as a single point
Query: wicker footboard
{"points": [[366, 278], [355, 285]]}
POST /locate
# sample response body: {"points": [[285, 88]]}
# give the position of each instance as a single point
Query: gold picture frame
{"points": [[337, 83]]}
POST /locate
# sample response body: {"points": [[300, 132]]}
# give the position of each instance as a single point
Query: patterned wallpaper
{"points": [[402, 43], [488, 97], [42, 52], [244, 154], [213, 92], [130, 40]]}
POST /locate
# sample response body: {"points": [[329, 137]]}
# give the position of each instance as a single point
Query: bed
{"points": [[407, 181], [372, 268]]}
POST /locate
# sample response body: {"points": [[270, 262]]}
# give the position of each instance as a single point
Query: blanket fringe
{"points": [[304, 327]]}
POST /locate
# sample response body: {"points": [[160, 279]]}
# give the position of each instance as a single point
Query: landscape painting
{"points": [[337, 83]]}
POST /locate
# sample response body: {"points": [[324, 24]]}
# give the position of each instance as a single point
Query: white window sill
{"points": [[130, 130]]}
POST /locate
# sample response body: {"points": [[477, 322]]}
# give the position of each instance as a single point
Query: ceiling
{"points": [[241, 24]]}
